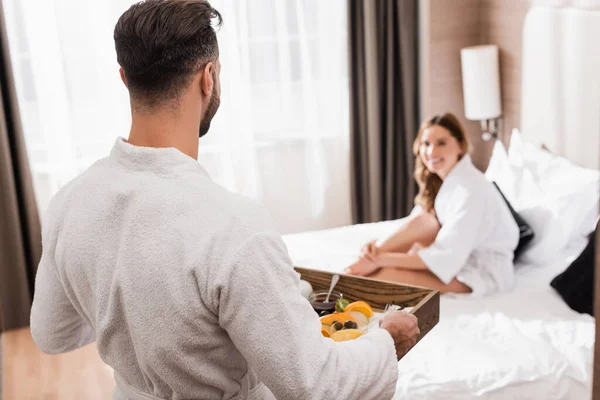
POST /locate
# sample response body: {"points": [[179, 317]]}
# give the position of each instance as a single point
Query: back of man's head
{"points": [[161, 45]]}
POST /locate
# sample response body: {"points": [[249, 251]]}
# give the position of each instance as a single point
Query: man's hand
{"points": [[404, 329]]}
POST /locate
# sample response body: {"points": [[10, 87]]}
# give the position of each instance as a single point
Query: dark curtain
{"points": [[384, 82], [20, 236]]}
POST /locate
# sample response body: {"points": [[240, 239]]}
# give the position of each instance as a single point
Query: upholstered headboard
{"points": [[560, 104]]}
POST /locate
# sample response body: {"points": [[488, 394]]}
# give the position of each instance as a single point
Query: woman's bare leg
{"points": [[420, 278], [421, 228]]}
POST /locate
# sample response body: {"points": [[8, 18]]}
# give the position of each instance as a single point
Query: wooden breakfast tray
{"points": [[425, 302]]}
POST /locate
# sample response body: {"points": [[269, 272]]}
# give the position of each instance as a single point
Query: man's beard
{"points": [[211, 110]]}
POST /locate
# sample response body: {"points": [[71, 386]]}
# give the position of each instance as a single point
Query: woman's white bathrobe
{"points": [[188, 291], [478, 234]]}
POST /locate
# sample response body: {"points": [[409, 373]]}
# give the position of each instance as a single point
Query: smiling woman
{"points": [[440, 144], [461, 235]]}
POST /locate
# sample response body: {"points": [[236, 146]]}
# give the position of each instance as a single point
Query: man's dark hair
{"points": [[162, 44]]}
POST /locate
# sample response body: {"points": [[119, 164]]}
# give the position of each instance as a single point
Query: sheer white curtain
{"points": [[281, 135]]}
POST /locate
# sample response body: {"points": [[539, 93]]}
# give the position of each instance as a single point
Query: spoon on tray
{"points": [[334, 280]]}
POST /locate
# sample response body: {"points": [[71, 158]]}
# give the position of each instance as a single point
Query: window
{"points": [[281, 133]]}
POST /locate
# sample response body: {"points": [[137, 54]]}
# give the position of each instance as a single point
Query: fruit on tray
{"points": [[354, 320], [360, 306], [340, 304], [341, 317], [346, 334], [336, 326], [360, 318]]}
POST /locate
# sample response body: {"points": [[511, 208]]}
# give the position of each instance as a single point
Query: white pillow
{"points": [[521, 190], [558, 199], [571, 191], [500, 171], [516, 183]]}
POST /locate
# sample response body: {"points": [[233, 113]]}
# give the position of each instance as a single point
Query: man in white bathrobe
{"points": [[187, 288]]}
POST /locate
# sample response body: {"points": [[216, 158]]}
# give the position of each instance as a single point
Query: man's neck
{"points": [[165, 129]]}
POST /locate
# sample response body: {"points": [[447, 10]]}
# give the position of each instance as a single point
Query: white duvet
{"points": [[525, 344]]}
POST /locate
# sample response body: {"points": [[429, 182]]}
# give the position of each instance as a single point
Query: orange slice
{"points": [[360, 306], [346, 334], [341, 317]]}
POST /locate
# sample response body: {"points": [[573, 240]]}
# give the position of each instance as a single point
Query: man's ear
{"points": [[206, 80], [123, 78]]}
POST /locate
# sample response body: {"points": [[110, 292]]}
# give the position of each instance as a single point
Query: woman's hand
{"points": [[369, 247], [369, 250]]}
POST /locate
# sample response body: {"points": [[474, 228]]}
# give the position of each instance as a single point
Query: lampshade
{"points": [[481, 82]]}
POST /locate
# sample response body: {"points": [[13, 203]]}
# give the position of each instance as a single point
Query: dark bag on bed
{"points": [[525, 231], [576, 284]]}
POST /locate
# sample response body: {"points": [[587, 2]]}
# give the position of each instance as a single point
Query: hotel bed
{"points": [[526, 343]]}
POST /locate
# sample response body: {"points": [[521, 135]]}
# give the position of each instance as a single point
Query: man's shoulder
{"points": [[67, 198], [77, 183], [212, 208], [246, 213]]}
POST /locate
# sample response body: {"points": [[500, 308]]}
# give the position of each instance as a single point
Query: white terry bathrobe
{"points": [[478, 234], [188, 291]]}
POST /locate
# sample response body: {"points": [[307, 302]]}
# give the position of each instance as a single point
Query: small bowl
{"points": [[317, 300]]}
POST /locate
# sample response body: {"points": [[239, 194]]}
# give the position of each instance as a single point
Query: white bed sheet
{"points": [[526, 344]]}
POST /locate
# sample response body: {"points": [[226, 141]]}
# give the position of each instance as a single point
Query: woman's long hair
{"points": [[430, 183]]}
